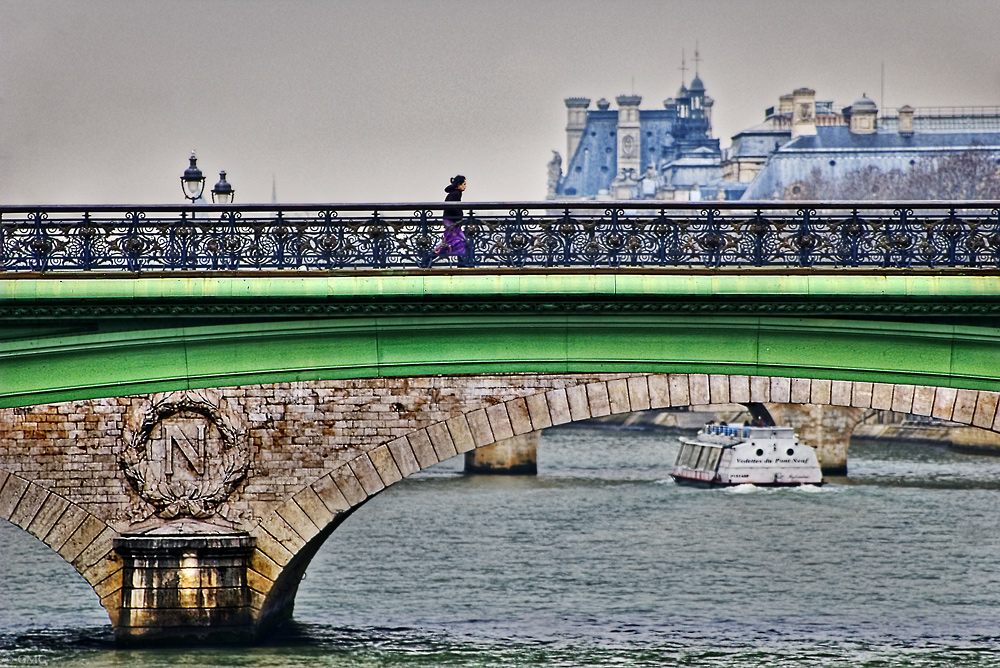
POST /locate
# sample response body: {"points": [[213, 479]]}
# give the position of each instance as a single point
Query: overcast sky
{"points": [[102, 101]]}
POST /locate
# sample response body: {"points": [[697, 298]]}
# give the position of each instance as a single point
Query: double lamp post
{"points": [[193, 185]]}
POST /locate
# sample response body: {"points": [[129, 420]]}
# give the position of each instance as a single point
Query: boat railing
{"points": [[746, 431]]}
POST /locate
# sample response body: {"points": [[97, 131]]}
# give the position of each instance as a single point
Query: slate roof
{"points": [[835, 151]]}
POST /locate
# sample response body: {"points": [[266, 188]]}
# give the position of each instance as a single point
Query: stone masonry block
{"points": [[944, 402], [479, 425], [461, 434], [618, 400], [821, 391], [965, 406], [579, 409], [45, 519], [499, 422], [538, 411], [986, 409], [680, 392], [264, 564], [800, 391], [739, 389], [109, 585], [423, 450], [520, 417], [277, 540], [698, 388], [366, 474], [902, 398], [258, 582], [29, 506], [861, 394], [638, 393], [659, 390], [81, 538], [310, 503], [297, 519], [64, 528], [349, 485], [558, 403], [99, 549], [923, 400], [781, 390], [386, 465], [403, 455], [840, 393], [597, 399], [718, 389], [331, 496], [760, 389], [882, 396], [109, 564], [10, 495]]}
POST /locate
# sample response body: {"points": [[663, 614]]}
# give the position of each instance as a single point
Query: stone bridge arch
{"points": [[81, 519], [292, 534], [76, 535]]}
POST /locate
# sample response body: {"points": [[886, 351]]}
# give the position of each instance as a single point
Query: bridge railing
{"points": [[500, 234]]}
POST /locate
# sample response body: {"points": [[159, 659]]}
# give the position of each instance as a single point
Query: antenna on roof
{"points": [[881, 101], [683, 68], [697, 58]]}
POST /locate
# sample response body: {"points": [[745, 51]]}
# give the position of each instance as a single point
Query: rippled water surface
{"points": [[601, 560]]}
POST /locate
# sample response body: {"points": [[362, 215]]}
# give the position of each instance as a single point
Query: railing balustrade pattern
{"points": [[521, 234]]}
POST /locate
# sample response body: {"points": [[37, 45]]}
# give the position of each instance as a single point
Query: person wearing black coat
{"points": [[453, 242]]}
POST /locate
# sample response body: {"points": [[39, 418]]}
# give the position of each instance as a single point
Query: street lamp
{"points": [[193, 183], [223, 191]]}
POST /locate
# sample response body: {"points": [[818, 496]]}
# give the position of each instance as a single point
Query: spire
{"points": [[697, 59], [683, 68]]}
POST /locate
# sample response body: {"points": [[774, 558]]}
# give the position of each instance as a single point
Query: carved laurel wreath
{"points": [[200, 498]]}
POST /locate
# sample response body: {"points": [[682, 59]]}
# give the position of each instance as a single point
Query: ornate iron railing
{"points": [[511, 234]]}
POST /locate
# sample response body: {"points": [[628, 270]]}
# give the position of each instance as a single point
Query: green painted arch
{"points": [[291, 535], [119, 363]]}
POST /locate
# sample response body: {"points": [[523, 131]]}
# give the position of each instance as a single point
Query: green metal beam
{"points": [[42, 363]]}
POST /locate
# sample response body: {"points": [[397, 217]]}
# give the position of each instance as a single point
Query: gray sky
{"points": [[102, 101]]}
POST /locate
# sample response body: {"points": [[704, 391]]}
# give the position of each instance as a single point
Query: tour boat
{"points": [[723, 456]]}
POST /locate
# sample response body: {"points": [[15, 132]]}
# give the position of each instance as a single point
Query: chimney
{"points": [[785, 104], [906, 120], [803, 112], [576, 112], [628, 134]]}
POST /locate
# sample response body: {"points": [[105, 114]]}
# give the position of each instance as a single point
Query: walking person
{"points": [[454, 237]]}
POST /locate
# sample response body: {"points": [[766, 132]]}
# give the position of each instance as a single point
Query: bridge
{"points": [[193, 399]]}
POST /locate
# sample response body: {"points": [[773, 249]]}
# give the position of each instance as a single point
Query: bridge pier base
{"points": [[826, 428], [185, 588], [512, 456]]}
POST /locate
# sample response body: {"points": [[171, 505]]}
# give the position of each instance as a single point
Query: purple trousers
{"points": [[454, 239]]}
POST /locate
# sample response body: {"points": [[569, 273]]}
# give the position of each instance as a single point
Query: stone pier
{"points": [[512, 456], [826, 428], [189, 588]]}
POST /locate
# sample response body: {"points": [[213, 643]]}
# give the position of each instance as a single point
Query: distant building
{"points": [[802, 141], [632, 153]]}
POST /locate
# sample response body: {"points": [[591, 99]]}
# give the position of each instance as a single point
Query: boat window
{"points": [[682, 454], [760, 453], [693, 456], [702, 457], [713, 458]]}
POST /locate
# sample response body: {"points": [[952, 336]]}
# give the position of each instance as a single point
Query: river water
{"points": [[601, 560]]}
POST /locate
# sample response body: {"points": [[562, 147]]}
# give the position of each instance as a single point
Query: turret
{"points": [[864, 116]]}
